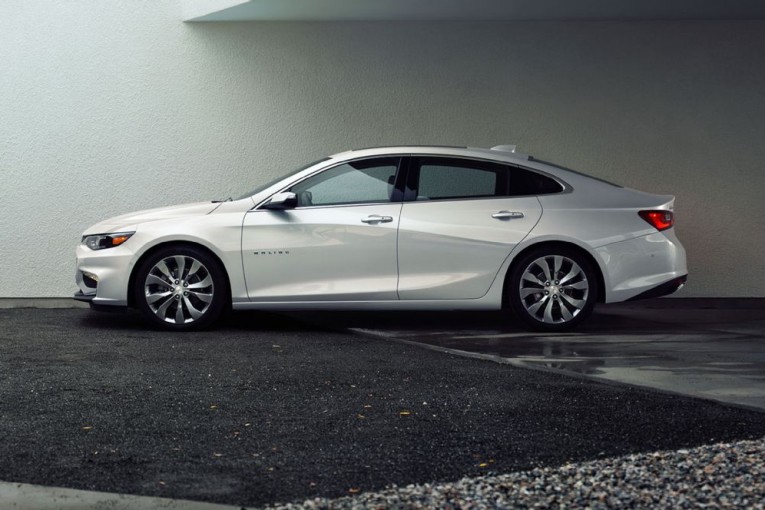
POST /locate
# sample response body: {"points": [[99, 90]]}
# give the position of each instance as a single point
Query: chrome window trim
{"points": [[567, 188], [329, 206]]}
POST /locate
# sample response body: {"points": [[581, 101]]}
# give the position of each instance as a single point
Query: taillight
{"points": [[660, 220]]}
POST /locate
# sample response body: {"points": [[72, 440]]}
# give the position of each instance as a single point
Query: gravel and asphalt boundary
{"points": [[724, 475]]}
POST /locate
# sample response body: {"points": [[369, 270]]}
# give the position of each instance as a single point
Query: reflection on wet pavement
{"points": [[706, 348]]}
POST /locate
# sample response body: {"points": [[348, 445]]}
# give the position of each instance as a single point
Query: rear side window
{"points": [[436, 178], [444, 178]]}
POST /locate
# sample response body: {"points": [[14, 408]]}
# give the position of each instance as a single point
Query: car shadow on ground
{"points": [[650, 317], [132, 320]]}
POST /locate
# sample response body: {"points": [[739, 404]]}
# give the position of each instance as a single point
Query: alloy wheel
{"points": [[179, 289], [554, 289]]}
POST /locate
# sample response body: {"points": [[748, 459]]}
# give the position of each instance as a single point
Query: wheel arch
{"points": [[148, 253], [552, 244]]}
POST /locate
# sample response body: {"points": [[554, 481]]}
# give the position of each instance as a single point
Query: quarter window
{"points": [[525, 182], [354, 182]]}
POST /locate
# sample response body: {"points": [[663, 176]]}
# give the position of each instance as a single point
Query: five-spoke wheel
{"points": [[180, 288], [553, 289]]}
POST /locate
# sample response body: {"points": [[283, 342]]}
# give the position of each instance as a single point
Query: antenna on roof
{"points": [[511, 150]]}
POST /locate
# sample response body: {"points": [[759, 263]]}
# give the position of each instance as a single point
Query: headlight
{"points": [[101, 241]]}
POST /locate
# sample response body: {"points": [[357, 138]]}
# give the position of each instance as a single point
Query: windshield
{"points": [[274, 181]]}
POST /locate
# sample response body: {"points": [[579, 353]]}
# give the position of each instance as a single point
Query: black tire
{"points": [[557, 306], [200, 290]]}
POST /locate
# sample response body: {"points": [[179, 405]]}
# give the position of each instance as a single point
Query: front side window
{"points": [[355, 182], [270, 183]]}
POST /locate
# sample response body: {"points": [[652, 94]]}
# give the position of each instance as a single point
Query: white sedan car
{"points": [[393, 228]]}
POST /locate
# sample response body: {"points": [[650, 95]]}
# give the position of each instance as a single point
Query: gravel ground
{"points": [[723, 475]]}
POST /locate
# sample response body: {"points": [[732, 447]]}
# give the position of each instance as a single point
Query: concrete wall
{"points": [[108, 107]]}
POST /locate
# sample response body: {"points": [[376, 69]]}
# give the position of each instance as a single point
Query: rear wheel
{"points": [[180, 288], [553, 288]]}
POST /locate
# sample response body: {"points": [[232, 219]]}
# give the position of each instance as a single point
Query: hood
{"points": [[128, 221]]}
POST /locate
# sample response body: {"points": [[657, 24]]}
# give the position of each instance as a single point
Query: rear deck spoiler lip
{"points": [[667, 202]]}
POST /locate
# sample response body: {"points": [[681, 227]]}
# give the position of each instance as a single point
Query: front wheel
{"points": [[180, 288], [553, 288]]}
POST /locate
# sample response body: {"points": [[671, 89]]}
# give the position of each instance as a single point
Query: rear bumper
{"points": [[636, 268], [663, 289]]}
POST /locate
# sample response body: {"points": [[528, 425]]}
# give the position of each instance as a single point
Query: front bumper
{"points": [[86, 298], [103, 275]]}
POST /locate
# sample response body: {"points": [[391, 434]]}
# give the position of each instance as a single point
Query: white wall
{"points": [[107, 107]]}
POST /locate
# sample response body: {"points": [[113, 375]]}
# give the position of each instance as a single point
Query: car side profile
{"points": [[393, 228]]}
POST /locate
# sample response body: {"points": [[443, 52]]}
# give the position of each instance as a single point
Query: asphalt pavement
{"points": [[272, 408], [703, 347]]}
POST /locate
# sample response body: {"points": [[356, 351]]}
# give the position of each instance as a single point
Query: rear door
{"points": [[458, 224]]}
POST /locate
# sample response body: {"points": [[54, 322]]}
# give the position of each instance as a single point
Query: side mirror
{"points": [[282, 201]]}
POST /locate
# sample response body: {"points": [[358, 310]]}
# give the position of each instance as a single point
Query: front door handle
{"points": [[507, 215], [376, 218]]}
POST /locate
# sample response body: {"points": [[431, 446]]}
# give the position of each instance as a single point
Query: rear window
{"points": [[554, 165]]}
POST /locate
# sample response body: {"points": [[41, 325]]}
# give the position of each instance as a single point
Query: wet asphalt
{"points": [[270, 408], [711, 348]]}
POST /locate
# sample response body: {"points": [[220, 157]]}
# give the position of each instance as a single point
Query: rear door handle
{"points": [[507, 215], [376, 218]]}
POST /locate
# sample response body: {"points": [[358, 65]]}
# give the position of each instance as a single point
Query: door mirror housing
{"points": [[282, 201]]}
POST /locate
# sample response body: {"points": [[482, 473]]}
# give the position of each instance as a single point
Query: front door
{"points": [[338, 244]]}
